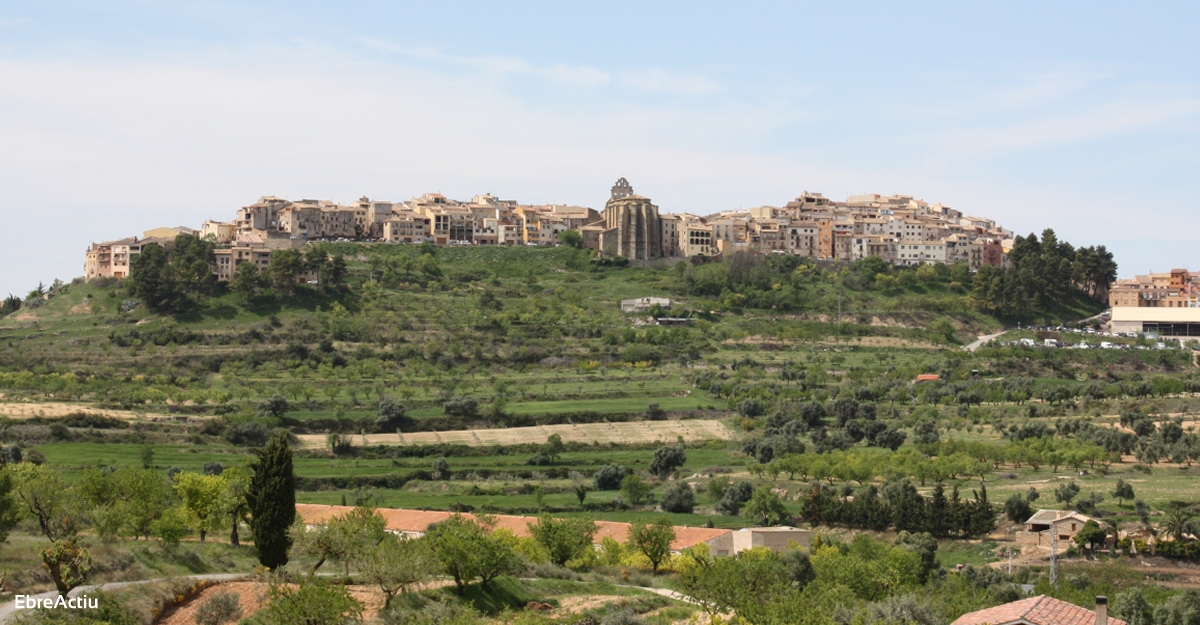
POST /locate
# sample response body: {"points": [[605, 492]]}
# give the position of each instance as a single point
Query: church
{"points": [[631, 226]]}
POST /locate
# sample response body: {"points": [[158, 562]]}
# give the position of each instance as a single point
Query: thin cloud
{"points": [[580, 76], [668, 82], [1061, 128], [500, 66]]}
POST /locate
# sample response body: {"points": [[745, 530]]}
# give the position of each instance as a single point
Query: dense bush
{"points": [[248, 433], [609, 476], [679, 498]]}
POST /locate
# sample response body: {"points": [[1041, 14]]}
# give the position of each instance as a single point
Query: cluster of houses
{"points": [[898, 228], [1162, 304]]}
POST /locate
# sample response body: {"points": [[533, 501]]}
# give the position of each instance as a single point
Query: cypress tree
{"points": [[941, 519], [272, 501], [983, 515]]}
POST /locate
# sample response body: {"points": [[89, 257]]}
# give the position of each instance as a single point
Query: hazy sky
{"points": [[116, 117]]}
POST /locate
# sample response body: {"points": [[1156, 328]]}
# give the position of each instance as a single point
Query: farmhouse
{"points": [[1040, 610], [414, 524], [643, 304], [1065, 524], [774, 538]]}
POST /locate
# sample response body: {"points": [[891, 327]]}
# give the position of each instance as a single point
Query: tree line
{"points": [[175, 279], [142, 502], [1043, 274]]}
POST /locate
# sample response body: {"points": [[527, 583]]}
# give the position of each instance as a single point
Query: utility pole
{"points": [[1053, 554], [1009, 550]]}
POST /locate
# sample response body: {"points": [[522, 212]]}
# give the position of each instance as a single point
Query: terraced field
{"points": [[620, 433]]}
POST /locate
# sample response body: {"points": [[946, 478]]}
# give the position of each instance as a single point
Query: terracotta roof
{"points": [[1046, 517], [1039, 610], [402, 520], [928, 377]]}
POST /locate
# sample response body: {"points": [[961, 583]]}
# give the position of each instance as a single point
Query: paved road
{"points": [[8, 610], [983, 339]]}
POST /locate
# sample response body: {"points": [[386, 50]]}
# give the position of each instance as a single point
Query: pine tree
{"points": [[272, 501], [152, 280]]}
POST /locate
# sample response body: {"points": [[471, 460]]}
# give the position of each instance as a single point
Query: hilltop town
{"points": [[899, 229]]}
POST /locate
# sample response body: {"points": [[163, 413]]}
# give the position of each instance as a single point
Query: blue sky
{"points": [[116, 117]]}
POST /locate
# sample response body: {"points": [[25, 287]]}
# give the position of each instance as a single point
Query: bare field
{"points": [[624, 433], [52, 409]]}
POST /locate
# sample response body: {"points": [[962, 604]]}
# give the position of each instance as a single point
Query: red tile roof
{"points": [[1039, 610], [928, 377], [402, 520]]}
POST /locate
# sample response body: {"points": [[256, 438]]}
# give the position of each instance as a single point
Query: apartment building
{"points": [[249, 249], [111, 259], [670, 235], [916, 252], [453, 226], [408, 227], [370, 215], [769, 236], [882, 246], [801, 238], [696, 239], [730, 230]]}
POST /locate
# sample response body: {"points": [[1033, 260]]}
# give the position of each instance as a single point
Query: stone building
{"points": [[632, 227]]}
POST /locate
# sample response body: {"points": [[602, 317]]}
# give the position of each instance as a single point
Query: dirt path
{"points": [[7, 610], [982, 340]]}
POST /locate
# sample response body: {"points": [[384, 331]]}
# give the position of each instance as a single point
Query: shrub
{"points": [[220, 608], [634, 489], [311, 602], [276, 406], [666, 459], [60, 432], [1017, 508], [737, 494], [679, 498], [639, 353], [609, 476], [247, 433], [391, 416], [462, 407], [213, 427], [750, 408]]}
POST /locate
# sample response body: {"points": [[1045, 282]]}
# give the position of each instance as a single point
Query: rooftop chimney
{"points": [[1101, 610]]}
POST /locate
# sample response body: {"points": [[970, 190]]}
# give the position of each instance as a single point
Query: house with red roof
{"points": [[1040, 610]]}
